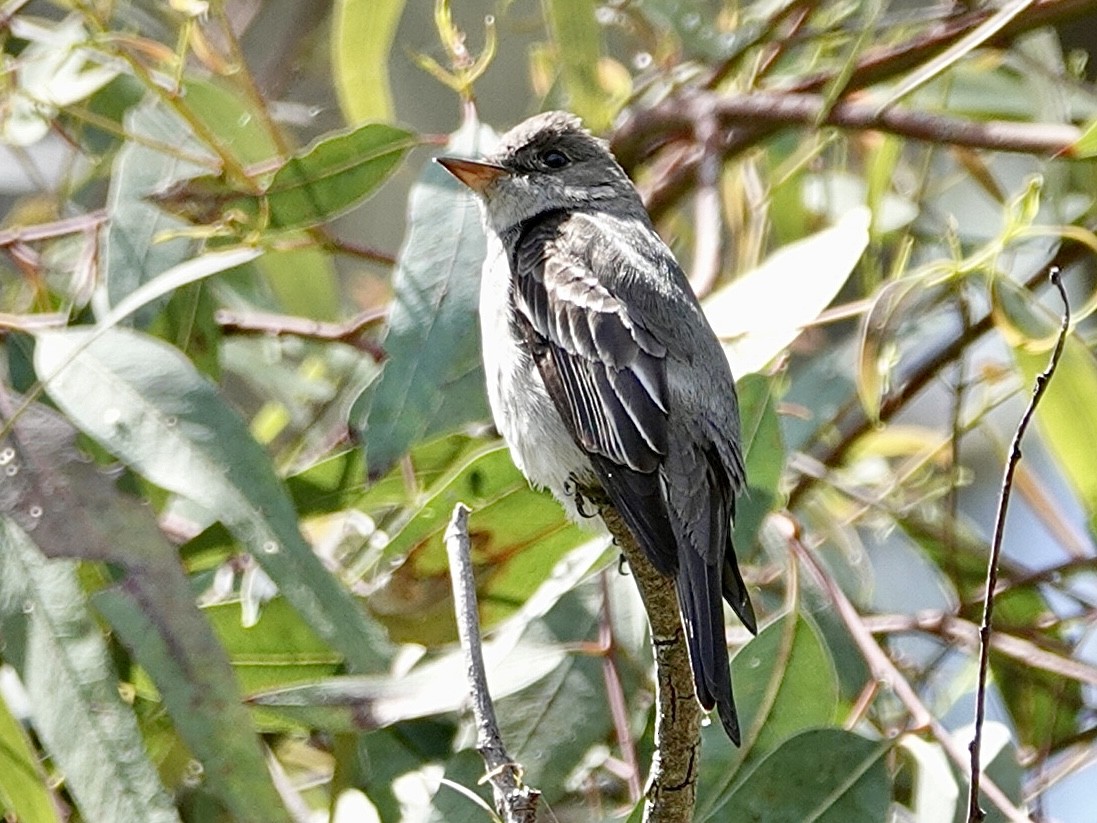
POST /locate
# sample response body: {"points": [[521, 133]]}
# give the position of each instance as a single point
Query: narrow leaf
{"points": [[362, 37], [313, 186], [578, 41], [155, 616], [349, 704], [433, 381], [23, 789], [756, 327], [144, 402], [334, 173], [134, 249], [71, 509], [77, 712]]}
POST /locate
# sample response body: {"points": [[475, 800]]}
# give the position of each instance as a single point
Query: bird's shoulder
{"points": [[608, 264]]}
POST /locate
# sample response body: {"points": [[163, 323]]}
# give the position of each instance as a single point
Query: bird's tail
{"points": [[703, 618]]}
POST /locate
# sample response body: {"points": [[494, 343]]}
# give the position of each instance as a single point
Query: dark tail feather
{"points": [[703, 616], [735, 591]]}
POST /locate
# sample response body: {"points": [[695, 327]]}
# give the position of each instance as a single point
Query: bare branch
{"points": [[957, 630], [975, 812], [350, 332], [671, 790], [517, 803]]}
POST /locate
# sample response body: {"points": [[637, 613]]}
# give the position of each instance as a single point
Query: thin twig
{"points": [[671, 791], [975, 812], [956, 630], [616, 694], [515, 802], [349, 332]]}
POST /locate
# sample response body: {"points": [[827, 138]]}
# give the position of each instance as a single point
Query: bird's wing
{"points": [[611, 370], [605, 372]]}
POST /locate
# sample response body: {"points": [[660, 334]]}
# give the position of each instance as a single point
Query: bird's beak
{"points": [[473, 173]]}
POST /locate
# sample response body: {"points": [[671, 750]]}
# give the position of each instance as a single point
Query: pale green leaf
{"points": [[144, 402], [762, 312], [136, 248], [348, 704], [152, 610], [362, 37], [433, 379], [75, 706]]}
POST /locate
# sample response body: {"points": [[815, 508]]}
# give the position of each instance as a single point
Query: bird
{"points": [[604, 376]]}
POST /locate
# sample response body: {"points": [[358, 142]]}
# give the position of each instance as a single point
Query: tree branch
{"points": [[975, 812], [645, 132], [671, 790], [516, 802]]}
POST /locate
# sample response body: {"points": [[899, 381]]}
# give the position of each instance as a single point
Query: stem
{"points": [[975, 813]]}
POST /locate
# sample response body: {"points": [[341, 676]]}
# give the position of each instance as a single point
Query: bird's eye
{"points": [[554, 159]]}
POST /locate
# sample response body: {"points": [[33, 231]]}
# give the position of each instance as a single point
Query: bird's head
{"points": [[546, 163]]}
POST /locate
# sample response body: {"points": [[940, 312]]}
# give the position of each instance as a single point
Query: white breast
{"points": [[524, 413]]}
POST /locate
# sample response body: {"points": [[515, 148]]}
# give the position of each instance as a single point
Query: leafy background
{"points": [[241, 394]]}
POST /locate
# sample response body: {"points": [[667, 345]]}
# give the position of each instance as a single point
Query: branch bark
{"points": [[515, 802], [671, 790], [975, 811], [645, 132]]}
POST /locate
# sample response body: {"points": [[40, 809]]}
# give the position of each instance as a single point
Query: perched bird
{"points": [[603, 375]]}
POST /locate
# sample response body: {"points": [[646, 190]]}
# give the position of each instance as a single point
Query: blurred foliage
{"points": [[236, 409]]}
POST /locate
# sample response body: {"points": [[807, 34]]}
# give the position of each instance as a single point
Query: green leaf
{"points": [[77, 711], [784, 682], [764, 455], [578, 40], [144, 402], [23, 789], [763, 445], [334, 173], [315, 185], [808, 274], [362, 37], [518, 536], [818, 776], [155, 616], [134, 250], [280, 649], [433, 379], [153, 612], [304, 280], [240, 130]]}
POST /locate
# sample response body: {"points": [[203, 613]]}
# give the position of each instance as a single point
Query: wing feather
{"points": [[612, 375]]}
